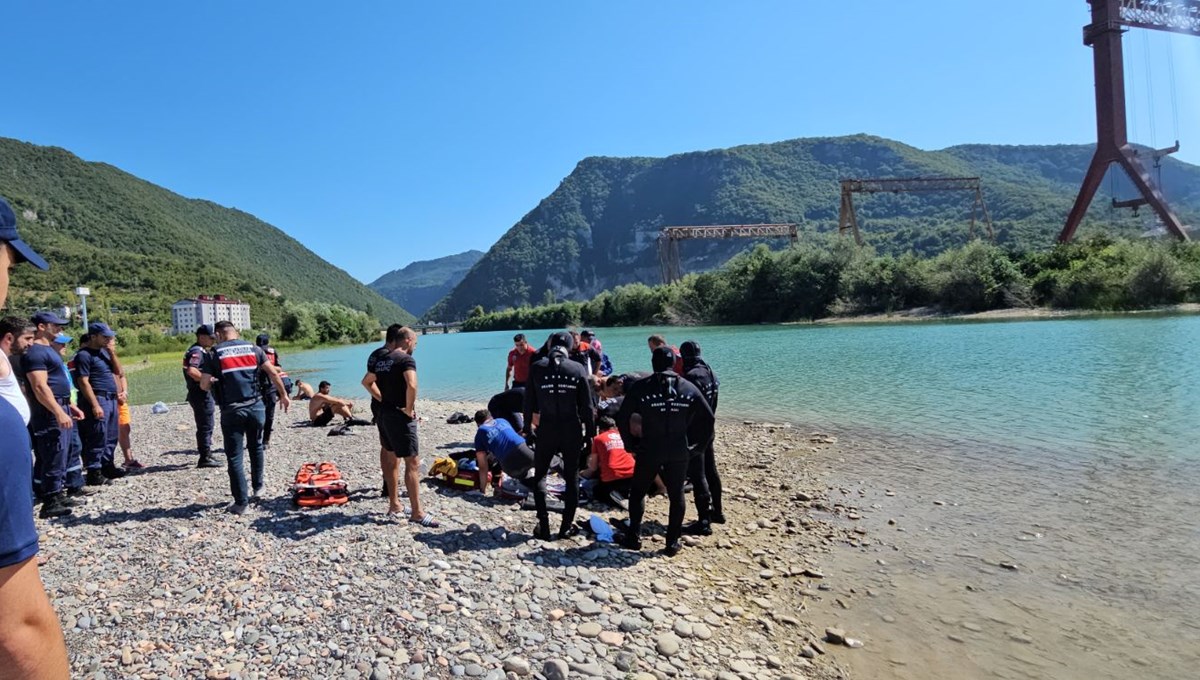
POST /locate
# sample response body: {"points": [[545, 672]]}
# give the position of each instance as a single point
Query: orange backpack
{"points": [[318, 485]]}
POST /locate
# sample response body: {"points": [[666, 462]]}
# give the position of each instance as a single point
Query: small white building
{"points": [[187, 314]]}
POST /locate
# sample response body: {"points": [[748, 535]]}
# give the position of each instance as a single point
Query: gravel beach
{"points": [[155, 580]]}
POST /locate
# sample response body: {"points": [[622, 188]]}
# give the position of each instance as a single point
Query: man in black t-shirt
{"points": [[389, 465], [509, 405], [396, 378], [200, 400], [269, 394]]}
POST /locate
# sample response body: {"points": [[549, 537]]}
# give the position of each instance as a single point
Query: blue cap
{"points": [[263, 340], [47, 317], [63, 339], [8, 233], [101, 328], [204, 329]]}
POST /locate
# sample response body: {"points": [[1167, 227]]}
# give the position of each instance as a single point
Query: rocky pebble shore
{"points": [[155, 580]]}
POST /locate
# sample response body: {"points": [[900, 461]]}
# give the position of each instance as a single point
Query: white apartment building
{"points": [[187, 314]]}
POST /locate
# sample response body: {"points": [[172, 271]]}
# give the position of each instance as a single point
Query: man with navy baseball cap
{"points": [[52, 416], [97, 376], [33, 643]]}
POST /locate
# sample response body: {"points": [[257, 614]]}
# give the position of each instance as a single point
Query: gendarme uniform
{"points": [[236, 364], [201, 402], [99, 434], [51, 443]]}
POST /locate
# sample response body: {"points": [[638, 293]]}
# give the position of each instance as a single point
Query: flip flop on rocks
{"points": [[426, 520]]}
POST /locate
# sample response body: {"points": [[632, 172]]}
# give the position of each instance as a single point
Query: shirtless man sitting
{"points": [[322, 408]]}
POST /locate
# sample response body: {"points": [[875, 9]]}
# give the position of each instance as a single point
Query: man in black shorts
{"points": [[389, 466], [396, 378]]}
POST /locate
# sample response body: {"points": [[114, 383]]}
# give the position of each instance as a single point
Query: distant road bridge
{"points": [[448, 327], [669, 238]]}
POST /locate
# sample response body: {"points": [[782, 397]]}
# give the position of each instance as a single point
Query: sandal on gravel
{"points": [[426, 521], [402, 511]]}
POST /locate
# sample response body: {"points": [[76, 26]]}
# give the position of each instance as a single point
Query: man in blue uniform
{"points": [[669, 408], [560, 392], [31, 639], [97, 371], [234, 372], [51, 418], [200, 400]]}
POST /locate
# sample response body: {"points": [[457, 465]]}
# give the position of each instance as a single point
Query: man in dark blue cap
{"points": [[97, 376], [202, 403], [32, 636], [51, 416]]}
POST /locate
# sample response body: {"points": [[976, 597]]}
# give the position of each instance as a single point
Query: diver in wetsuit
{"points": [[560, 393], [702, 467], [669, 407]]}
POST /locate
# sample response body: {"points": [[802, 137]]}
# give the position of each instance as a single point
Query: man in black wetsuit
{"points": [[509, 405], [702, 467], [560, 393], [669, 407]]}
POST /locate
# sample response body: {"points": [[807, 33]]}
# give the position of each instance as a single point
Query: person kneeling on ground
{"points": [[498, 441], [323, 407], [611, 464]]}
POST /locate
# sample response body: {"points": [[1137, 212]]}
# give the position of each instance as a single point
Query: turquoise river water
{"points": [[1070, 448]]}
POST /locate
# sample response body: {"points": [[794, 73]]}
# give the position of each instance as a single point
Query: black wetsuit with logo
{"points": [[702, 468], [670, 408], [560, 393]]}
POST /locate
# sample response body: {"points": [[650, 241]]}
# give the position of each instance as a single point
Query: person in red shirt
{"points": [[611, 466], [519, 358], [656, 341]]}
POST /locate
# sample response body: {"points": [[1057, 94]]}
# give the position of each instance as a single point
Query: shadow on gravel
{"points": [[460, 540], [191, 452], [458, 445], [160, 468], [191, 511], [296, 525], [592, 555]]}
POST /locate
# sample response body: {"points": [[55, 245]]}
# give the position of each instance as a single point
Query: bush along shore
{"points": [[152, 579], [810, 282]]}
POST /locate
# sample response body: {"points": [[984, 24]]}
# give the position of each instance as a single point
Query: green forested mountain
{"points": [[141, 247], [420, 284], [598, 228]]}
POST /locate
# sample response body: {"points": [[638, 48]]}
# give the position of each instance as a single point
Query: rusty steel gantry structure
{"points": [[669, 238], [1103, 35], [848, 220]]}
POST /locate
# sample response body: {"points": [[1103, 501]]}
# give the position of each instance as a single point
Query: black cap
{"points": [[8, 234], [689, 349], [561, 339], [585, 333], [263, 340], [204, 329], [662, 359]]}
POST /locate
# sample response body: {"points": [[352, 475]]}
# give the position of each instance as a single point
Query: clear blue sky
{"points": [[378, 133]]}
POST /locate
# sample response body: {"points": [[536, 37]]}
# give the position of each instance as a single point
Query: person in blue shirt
{"points": [[200, 400], [31, 639], [96, 377], [233, 370], [51, 415], [498, 441], [74, 481]]}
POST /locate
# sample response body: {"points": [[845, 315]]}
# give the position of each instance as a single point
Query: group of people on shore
{"points": [[75, 406], [623, 434]]}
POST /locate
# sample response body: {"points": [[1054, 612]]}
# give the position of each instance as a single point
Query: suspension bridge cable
{"points": [[1149, 89]]}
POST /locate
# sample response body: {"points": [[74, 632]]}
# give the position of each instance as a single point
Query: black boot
{"points": [[112, 471], [629, 541], [209, 461], [54, 506], [672, 549], [701, 527], [95, 477], [542, 532], [73, 502], [80, 492]]}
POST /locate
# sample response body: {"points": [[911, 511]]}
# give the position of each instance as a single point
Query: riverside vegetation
{"points": [[810, 282]]}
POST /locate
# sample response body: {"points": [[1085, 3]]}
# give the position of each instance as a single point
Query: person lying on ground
{"points": [[323, 407]]}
